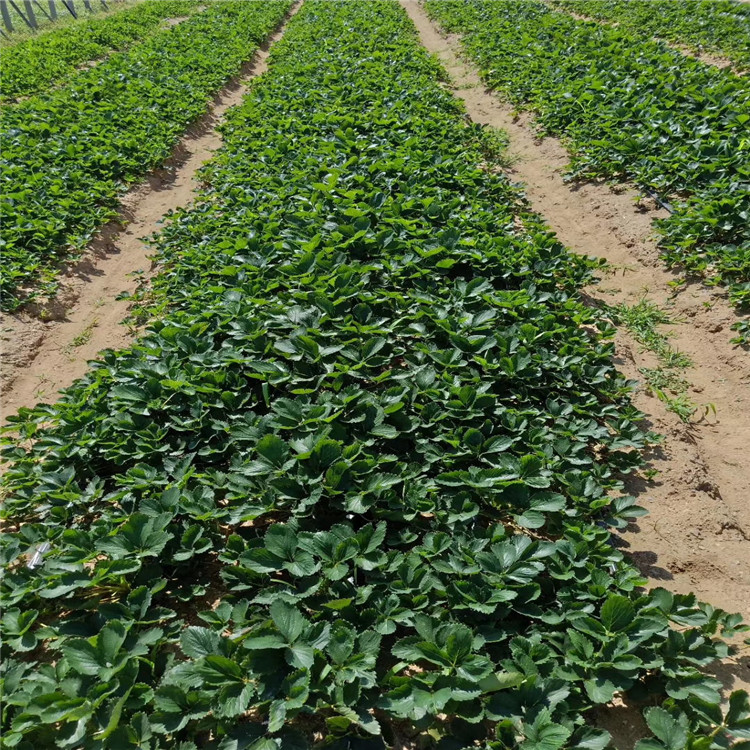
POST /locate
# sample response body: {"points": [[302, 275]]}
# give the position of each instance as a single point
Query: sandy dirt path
{"points": [[48, 347], [697, 536]]}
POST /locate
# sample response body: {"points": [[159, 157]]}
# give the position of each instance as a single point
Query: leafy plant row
{"points": [[44, 61], [719, 26], [68, 154], [21, 31], [352, 487], [629, 108]]}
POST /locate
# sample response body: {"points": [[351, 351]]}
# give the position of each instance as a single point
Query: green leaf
{"points": [[593, 739], [263, 642], [110, 640], [617, 613], [738, 714], [501, 681], [301, 656], [219, 669], [281, 540], [129, 393], [544, 734], [196, 641], [273, 448], [288, 620], [673, 732], [600, 689], [234, 699], [82, 656], [276, 715]]}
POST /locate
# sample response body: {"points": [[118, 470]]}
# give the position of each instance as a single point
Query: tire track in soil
{"points": [[697, 534], [48, 345]]}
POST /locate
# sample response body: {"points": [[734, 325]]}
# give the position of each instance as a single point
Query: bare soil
{"points": [[696, 537], [177, 20], [47, 346], [168, 23], [708, 58]]}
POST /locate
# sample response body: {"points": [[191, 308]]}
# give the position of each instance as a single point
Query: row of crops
{"points": [[718, 26], [40, 63], [69, 153], [354, 485], [21, 19], [630, 108]]}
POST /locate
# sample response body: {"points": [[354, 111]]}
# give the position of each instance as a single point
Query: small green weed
{"points": [[494, 144], [665, 381], [85, 335]]}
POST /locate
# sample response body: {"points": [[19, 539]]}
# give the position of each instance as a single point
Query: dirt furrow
{"points": [[47, 347], [696, 536]]}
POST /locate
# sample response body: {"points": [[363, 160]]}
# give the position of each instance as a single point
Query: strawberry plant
{"points": [[629, 109], [356, 484], [68, 154], [45, 61], [718, 26]]}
